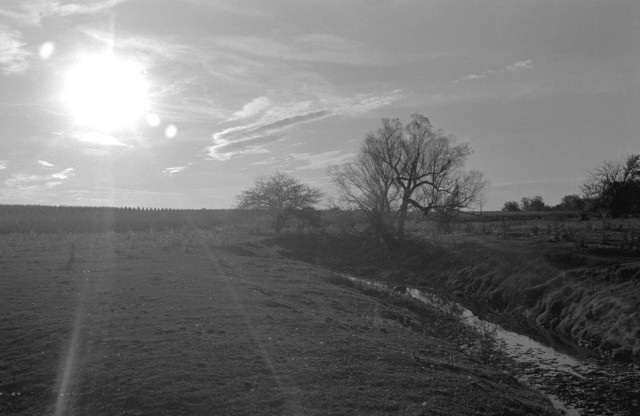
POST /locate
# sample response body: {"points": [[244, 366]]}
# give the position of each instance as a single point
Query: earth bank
{"points": [[589, 299]]}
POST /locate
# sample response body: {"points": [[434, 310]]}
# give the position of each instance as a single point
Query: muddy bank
{"points": [[586, 299]]}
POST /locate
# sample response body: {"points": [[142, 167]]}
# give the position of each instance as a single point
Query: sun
{"points": [[106, 93]]}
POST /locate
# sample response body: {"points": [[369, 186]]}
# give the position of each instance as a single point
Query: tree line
{"points": [[414, 167], [400, 168], [38, 218], [610, 190]]}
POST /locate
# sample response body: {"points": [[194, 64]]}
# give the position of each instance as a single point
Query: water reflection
{"points": [[536, 357]]}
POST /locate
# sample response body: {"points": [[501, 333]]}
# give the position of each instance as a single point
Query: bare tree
{"points": [[614, 187], [281, 195], [413, 167], [367, 183]]}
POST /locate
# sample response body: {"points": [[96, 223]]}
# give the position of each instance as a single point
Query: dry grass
{"points": [[194, 322]]}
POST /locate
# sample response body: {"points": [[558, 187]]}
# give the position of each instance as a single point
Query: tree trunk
{"points": [[402, 216], [280, 219], [383, 231]]}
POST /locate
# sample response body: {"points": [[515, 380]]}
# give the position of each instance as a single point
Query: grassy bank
{"points": [[589, 297]]}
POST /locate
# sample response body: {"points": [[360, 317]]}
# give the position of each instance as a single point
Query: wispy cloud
{"points": [[528, 64], [315, 47], [311, 161], [98, 138], [87, 7], [65, 174], [517, 66], [231, 7], [361, 103], [13, 55], [174, 169], [295, 162], [256, 106], [239, 66], [484, 95], [31, 12], [267, 161], [469, 78], [33, 182], [165, 47], [3, 164], [250, 136], [45, 164]]}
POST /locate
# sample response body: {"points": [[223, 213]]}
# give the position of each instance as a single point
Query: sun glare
{"points": [[106, 93]]}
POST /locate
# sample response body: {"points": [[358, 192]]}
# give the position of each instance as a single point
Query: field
{"points": [[221, 322]]}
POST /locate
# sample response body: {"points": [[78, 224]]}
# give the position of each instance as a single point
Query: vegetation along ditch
{"points": [[581, 351]]}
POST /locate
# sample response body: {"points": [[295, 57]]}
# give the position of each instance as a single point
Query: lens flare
{"points": [[46, 50], [171, 131], [153, 120]]}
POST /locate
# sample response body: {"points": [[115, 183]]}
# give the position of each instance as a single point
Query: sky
{"points": [[184, 103]]}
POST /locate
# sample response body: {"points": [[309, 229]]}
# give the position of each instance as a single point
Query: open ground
{"points": [[220, 322]]}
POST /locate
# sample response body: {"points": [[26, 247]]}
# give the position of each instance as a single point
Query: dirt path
{"points": [[157, 324]]}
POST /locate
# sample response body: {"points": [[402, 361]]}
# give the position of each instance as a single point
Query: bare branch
{"points": [[280, 194], [409, 166]]}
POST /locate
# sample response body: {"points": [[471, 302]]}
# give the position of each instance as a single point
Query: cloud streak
{"points": [[468, 95], [97, 138], [313, 47], [174, 169], [528, 64], [13, 55], [32, 12], [312, 161], [250, 136], [517, 66], [23, 181], [256, 106]]}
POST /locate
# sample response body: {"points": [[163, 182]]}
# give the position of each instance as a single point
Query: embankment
{"points": [[589, 299]]}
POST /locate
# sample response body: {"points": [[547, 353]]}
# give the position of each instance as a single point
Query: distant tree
{"points": [[511, 206], [281, 195], [571, 202], [408, 167], [613, 188], [533, 204], [537, 204]]}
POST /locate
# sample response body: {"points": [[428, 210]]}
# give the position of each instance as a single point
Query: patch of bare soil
{"points": [[173, 324]]}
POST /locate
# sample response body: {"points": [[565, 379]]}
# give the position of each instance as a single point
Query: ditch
{"points": [[576, 384]]}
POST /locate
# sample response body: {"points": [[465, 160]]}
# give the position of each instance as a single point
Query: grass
{"points": [[218, 322], [542, 281]]}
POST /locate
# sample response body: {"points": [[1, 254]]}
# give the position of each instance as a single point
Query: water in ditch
{"points": [[575, 385]]}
